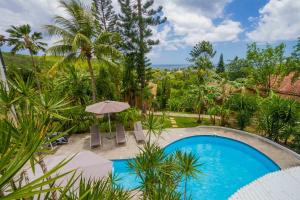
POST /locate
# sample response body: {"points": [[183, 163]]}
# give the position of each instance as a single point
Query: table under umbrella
{"points": [[107, 107]]}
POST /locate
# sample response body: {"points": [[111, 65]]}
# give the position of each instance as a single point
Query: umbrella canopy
{"points": [[107, 107], [88, 163]]}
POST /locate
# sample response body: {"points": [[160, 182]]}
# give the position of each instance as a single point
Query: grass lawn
{"points": [[185, 122]]}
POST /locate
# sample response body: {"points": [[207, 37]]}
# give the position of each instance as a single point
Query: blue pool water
{"points": [[227, 166]]}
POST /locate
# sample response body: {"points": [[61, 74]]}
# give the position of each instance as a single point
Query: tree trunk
{"points": [[93, 80], [35, 69], [44, 169], [185, 186], [199, 116], [141, 53]]}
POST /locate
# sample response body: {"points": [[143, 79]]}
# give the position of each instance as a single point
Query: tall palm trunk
{"points": [[93, 80], [35, 69]]}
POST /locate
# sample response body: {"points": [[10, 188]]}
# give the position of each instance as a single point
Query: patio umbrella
{"points": [[88, 163], [107, 107]]}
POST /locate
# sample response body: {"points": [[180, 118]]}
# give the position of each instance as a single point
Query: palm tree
{"points": [[80, 39], [188, 165], [21, 38]]}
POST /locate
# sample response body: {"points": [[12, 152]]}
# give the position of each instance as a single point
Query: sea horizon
{"points": [[170, 66]]}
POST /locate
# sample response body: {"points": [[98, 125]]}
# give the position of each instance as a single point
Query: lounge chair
{"points": [[138, 132], [95, 140], [120, 134]]}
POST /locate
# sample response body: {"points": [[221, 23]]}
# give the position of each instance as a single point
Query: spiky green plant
{"points": [[188, 165], [104, 189]]}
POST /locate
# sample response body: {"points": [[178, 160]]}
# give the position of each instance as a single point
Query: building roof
{"points": [[278, 185], [286, 85]]}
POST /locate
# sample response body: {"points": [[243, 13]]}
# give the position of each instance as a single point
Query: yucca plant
{"points": [[160, 175], [245, 106], [277, 116], [104, 189], [153, 124], [188, 164], [157, 175], [20, 140], [44, 108]]}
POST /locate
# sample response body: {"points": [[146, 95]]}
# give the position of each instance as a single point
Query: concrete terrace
{"points": [[284, 157]]}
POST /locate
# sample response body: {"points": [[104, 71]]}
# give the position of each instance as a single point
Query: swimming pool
{"points": [[227, 166]]}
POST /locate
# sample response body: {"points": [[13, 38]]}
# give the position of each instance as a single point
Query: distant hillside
{"points": [[24, 61]]}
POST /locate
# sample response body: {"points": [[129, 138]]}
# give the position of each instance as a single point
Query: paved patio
{"points": [[281, 155]]}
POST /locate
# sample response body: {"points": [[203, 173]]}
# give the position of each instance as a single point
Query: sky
{"points": [[229, 24]]}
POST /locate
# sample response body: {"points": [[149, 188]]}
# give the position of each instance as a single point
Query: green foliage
{"points": [[189, 166], [105, 15], [160, 175], [176, 104], [267, 63], [164, 91], [81, 40], [221, 65], [238, 68], [106, 89], [78, 120], [153, 124], [129, 117], [245, 106], [278, 117], [201, 50], [23, 133], [104, 188], [134, 26], [21, 38], [157, 174], [293, 62], [74, 83]]}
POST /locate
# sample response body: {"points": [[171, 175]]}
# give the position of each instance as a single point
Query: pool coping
{"points": [[213, 130], [211, 134], [257, 137], [226, 138]]}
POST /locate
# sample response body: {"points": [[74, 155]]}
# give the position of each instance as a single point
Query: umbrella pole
{"points": [[109, 123]]}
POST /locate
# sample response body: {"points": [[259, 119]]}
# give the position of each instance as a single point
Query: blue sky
{"points": [[228, 24]]}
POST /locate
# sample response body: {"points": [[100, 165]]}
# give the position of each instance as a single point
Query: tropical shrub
{"points": [[278, 117], [78, 120], [244, 106], [176, 104], [129, 116], [106, 89]]}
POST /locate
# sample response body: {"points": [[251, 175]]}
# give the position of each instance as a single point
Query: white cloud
{"points": [[211, 8], [279, 20], [191, 23], [34, 12]]}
